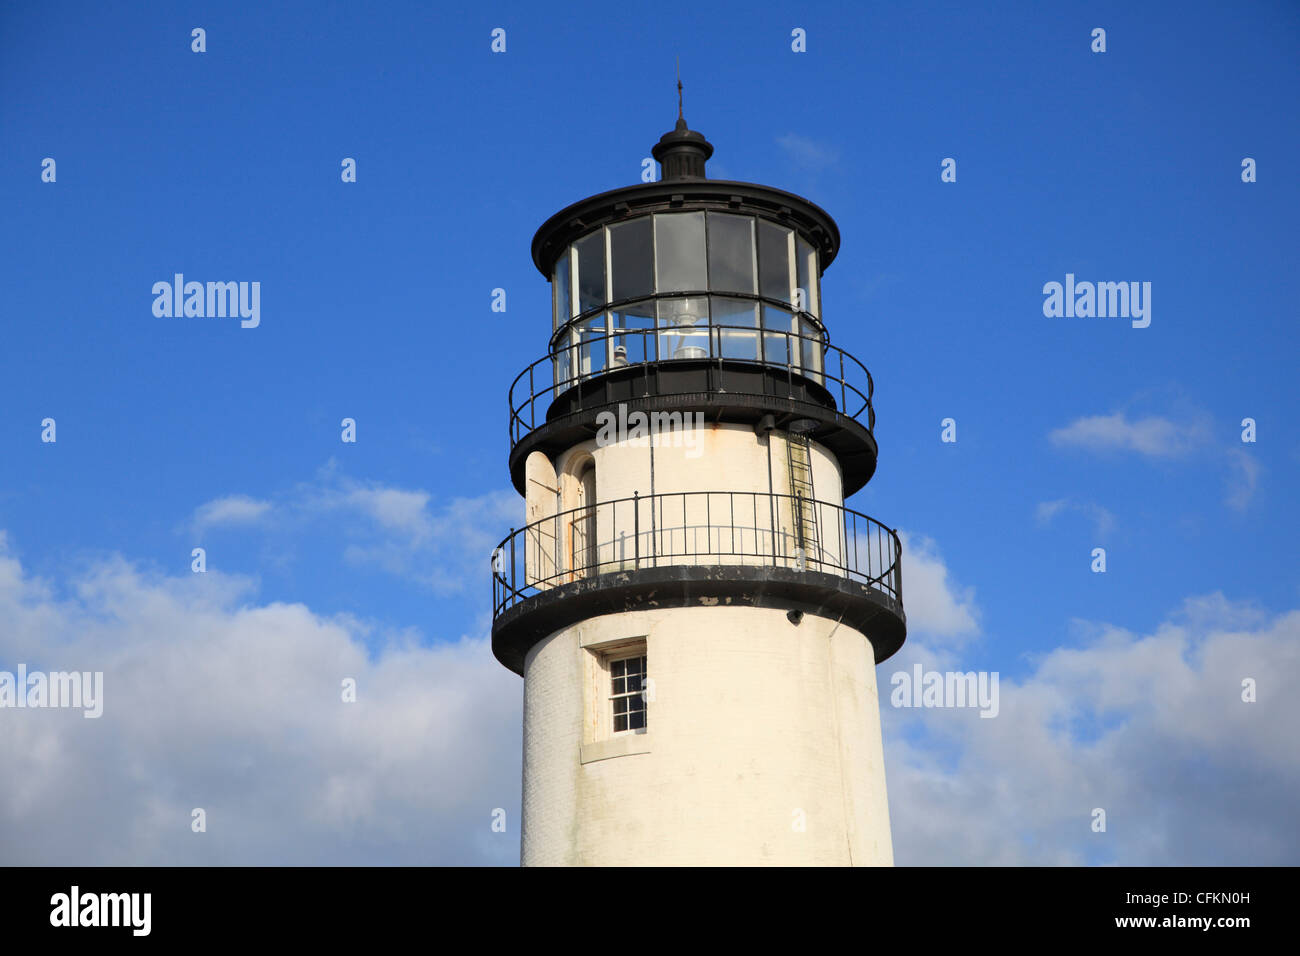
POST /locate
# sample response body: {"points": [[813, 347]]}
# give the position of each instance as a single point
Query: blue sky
{"points": [[375, 305]]}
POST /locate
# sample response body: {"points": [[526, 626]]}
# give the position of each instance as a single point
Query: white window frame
{"points": [[599, 739], [611, 696]]}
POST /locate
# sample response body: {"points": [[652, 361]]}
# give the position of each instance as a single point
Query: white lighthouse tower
{"points": [[696, 615]]}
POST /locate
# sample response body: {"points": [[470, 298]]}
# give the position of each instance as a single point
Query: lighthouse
{"points": [[696, 615]]}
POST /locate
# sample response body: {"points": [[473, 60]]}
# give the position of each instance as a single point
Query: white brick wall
{"points": [[754, 721]]}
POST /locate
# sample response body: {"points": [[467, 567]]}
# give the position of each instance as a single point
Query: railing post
{"points": [[654, 532], [558, 570], [636, 530], [898, 568], [512, 564], [844, 546], [685, 547], [771, 515], [844, 402], [708, 522], [789, 368], [878, 561], [722, 385]]}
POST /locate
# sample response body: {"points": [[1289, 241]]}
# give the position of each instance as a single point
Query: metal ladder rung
{"points": [[799, 466]]}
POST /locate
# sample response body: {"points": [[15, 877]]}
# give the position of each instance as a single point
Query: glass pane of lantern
{"points": [[590, 251], [632, 263], [684, 328], [637, 320], [563, 306], [595, 342], [735, 328], [679, 252], [774, 261], [776, 336], [562, 368], [806, 276], [731, 253], [811, 349]]}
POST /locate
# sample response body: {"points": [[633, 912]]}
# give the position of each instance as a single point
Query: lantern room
{"points": [[687, 285]]}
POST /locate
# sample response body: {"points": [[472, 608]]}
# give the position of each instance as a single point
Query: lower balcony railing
{"points": [[707, 528]]}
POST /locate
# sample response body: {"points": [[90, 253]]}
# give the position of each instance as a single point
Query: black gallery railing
{"points": [[695, 528], [795, 356]]}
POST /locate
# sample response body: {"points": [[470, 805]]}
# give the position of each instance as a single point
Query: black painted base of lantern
{"points": [[735, 393]]}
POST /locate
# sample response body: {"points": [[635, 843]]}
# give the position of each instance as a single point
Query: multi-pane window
{"points": [[627, 698]]}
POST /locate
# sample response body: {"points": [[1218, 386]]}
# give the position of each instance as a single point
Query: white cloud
{"points": [[444, 545], [232, 509], [936, 607], [1047, 510], [1153, 436], [446, 549], [1103, 521], [1150, 728], [1243, 479], [214, 701], [807, 152], [394, 509]]}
